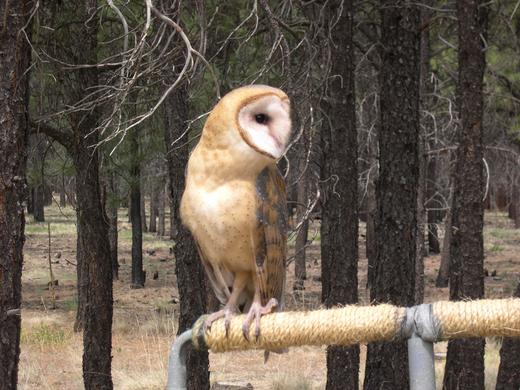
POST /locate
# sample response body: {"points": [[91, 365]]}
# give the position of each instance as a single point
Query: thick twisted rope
{"points": [[484, 318], [364, 324]]}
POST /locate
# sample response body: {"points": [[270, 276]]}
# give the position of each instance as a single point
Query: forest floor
{"points": [[144, 319]]}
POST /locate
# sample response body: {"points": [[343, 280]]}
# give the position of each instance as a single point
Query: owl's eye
{"points": [[261, 119]]}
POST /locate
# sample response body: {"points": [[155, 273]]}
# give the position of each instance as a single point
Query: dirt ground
{"points": [[144, 320]]}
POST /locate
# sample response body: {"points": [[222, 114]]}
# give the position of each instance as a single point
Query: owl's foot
{"points": [[255, 313], [227, 313]]}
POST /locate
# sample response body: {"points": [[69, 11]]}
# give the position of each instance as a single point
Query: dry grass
{"points": [[144, 320]]}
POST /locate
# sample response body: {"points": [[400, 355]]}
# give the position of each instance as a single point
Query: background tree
{"points": [[80, 138], [339, 227], [396, 189], [15, 30], [465, 360], [188, 267], [508, 377], [136, 203]]}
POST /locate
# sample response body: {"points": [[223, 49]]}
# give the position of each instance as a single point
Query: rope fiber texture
{"points": [[484, 318], [364, 324]]}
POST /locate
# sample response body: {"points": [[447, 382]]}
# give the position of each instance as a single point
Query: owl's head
{"points": [[255, 117]]}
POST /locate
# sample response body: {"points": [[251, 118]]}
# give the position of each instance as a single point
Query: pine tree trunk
{"points": [[508, 377], [173, 227], [112, 206], [154, 200], [38, 203], [136, 213], [515, 204], [300, 272], [63, 198], [94, 267], [161, 229], [421, 223], [129, 202], [433, 216], [443, 277], [188, 267], [47, 193], [465, 358], [397, 185], [430, 170], [71, 195], [14, 93], [425, 89], [30, 201], [339, 224], [142, 208], [370, 241]]}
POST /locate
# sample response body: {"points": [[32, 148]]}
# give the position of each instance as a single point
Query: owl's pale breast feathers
{"points": [[221, 219]]}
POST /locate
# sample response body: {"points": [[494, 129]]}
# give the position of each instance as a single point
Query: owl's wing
{"points": [[214, 275], [270, 237]]}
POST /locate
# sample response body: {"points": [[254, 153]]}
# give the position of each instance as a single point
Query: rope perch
{"points": [[364, 324]]}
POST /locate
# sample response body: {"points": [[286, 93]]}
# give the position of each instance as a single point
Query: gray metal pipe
{"points": [[422, 330], [421, 364], [177, 362]]}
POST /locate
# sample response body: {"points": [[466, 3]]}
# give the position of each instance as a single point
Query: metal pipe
{"points": [[422, 330], [177, 362], [421, 363]]}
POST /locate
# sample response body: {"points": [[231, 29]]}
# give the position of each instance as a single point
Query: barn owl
{"points": [[234, 202]]}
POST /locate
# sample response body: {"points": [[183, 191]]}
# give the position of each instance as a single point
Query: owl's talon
{"points": [[227, 313], [227, 324], [255, 313], [245, 330], [257, 329]]}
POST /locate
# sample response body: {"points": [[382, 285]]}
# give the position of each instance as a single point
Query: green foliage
{"points": [[496, 248], [71, 305], [45, 335], [503, 234]]}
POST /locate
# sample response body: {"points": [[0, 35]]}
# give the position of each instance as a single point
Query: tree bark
{"points": [[154, 211], [112, 206], [421, 222], [433, 216], [397, 185], [339, 224], [514, 206], [94, 267], [30, 201], [188, 267], [38, 203], [138, 274], [429, 172], [142, 208], [173, 227], [508, 377], [425, 90], [63, 198], [14, 94], [370, 241], [300, 271], [443, 277], [161, 228], [465, 358]]}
